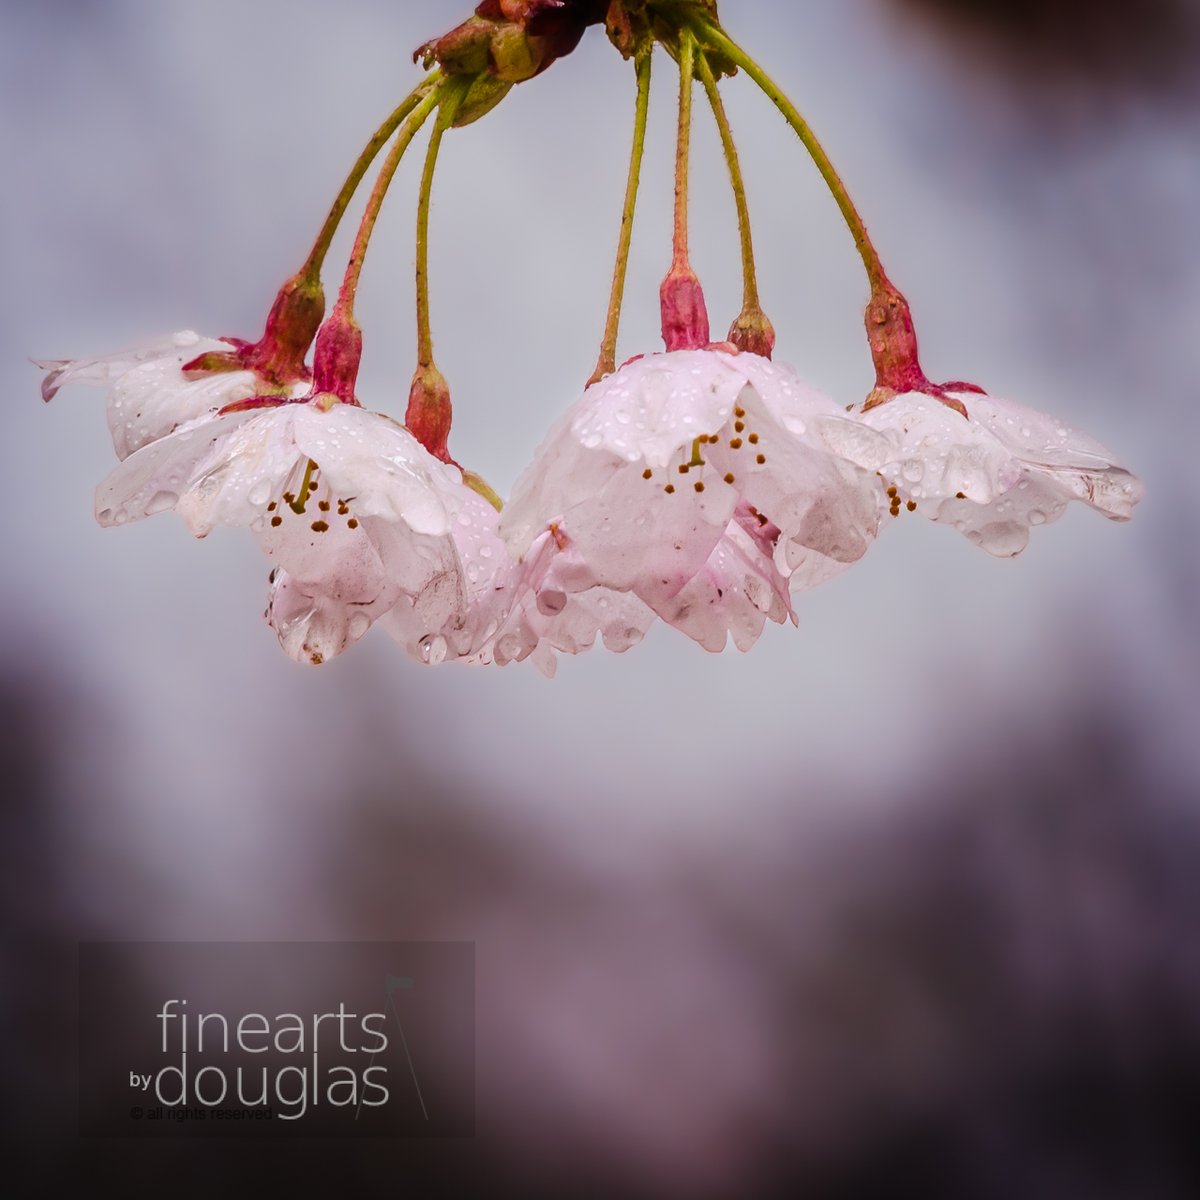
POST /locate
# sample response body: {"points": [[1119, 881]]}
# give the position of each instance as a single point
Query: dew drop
{"points": [[433, 649], [160, 502]]}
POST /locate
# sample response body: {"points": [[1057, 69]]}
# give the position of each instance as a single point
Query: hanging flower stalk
{"points": [[704, 487]]}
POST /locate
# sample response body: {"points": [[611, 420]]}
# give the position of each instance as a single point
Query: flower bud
{"points": [[483, 94], [753, 333]]}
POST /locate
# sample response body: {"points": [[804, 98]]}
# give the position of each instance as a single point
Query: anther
{"points": [[699, 487], [760, 459], [276, 522], [729, 477], [320, 526], [753, 439], [738, 426], [669, 489], [911, 506], [352, 523], [647, 473], [683, 468], [735, 443]]}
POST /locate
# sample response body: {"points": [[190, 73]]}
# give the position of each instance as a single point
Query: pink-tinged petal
{"points": [[387, 471], [734, 594], [636, 538], [312, 626], [226, 471], [1056, 457], [646, 411], [997, 474], [818, 500], [792, 401], [643, 416], [556, 611], [149, 395], [461, 627], [153, 479], [938, 454]]}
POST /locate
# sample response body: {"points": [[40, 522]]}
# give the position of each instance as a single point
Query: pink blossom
{"points": [[357, 515], [998, 472], [702, 484]]}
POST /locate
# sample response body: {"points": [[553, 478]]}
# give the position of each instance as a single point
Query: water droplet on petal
{"points": [[160, 502], [551, 603], [433, 649]]}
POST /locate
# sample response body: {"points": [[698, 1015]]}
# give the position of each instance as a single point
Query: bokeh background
{"points": [[907, 899]]}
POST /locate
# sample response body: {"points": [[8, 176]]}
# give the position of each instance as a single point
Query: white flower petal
{"points": [[998, 473], [554, 611], [149, 396], [734, 594], [227, 470], [462, 627]]}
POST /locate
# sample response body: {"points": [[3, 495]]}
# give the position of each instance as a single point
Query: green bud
{"points": [[481, 97]]}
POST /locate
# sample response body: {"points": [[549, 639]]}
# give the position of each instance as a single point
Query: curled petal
{"points": [[149, 396], [997, 475]]}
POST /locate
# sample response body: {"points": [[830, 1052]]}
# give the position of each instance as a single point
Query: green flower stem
{"points": [[607, 362], [387, 172], [714, 37], [749, 274], [449, 100], [316, 259], [687, 61]]}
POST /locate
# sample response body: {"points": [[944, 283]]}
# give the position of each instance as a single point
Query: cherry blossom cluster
{"points": [[705, 486]]}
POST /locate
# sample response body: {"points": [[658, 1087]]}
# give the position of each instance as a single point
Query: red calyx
{"points": [[335, 367], [336, 357], [684, 313], [430, 412], [893, 340], [278, 356]]}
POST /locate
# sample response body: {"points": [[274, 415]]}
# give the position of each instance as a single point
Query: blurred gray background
{"points": [[905, 899]]}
